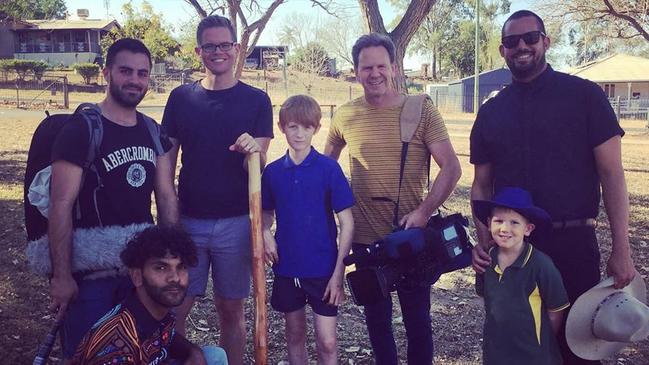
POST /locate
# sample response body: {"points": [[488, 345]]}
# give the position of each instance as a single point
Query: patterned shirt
{"points": [[128, 334], [374, 139]]}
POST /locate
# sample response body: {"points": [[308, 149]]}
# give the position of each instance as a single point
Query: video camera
{"points": [[410, 257]]}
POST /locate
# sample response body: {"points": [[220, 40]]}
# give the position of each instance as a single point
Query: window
{"points": [[609, 90]]}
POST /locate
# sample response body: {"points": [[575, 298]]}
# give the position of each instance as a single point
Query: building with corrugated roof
{"points": [[619, 75], [59, 41]]}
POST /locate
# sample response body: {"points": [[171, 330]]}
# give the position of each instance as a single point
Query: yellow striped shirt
{"points": [[373, 138]]}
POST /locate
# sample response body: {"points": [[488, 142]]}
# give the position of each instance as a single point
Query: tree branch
{"points": [[198, 7], [629, 19], [324, 7]]}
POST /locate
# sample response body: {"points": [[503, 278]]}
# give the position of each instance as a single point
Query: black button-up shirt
{"points": [[540, 136]]}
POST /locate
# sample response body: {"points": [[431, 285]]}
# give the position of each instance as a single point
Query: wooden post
{"points": [[66, 96], [618, 109], [258, 270]]}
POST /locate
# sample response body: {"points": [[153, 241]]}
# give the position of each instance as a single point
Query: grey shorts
{"points": [[224, 245]]}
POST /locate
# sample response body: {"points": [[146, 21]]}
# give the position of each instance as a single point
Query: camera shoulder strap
{"points": [[408, 122]]}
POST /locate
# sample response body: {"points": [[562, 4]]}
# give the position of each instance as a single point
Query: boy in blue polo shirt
{"points": [[522, 289], [304, 189]]}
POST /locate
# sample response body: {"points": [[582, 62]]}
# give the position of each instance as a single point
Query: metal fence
{"points": [[50, 91], [34, 91], [164, 83], [630, 108], [279, 91]]}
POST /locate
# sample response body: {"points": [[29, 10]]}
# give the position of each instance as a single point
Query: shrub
{"points": [[87, 70], [23, 67], [39, 68], [5, 65]]}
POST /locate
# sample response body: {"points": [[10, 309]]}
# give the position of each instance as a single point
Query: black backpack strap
{"points": [[91, 114], [154, 131]]}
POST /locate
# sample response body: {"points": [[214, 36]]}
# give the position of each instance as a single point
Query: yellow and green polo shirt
{"points": [[517, 327], [373, 137]]}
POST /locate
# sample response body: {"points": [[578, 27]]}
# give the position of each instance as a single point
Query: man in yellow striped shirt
{"points": [[369, 126]]}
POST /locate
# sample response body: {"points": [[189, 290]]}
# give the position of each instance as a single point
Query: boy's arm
{"points": [[556, 319], [270, 245], [334, 293]]}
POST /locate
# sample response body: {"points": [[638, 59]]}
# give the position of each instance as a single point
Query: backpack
{"points": [[38, 170]]}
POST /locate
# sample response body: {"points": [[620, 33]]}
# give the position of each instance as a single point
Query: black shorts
{"points": [[291, 294]]}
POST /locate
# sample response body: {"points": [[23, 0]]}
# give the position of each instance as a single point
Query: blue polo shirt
{"points": [[304, 198]]}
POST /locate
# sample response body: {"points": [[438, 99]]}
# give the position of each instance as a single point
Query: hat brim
{"points": [[579, 334], [539, 217]]}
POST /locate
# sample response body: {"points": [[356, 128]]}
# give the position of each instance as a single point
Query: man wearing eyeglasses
{"points": [[557, 136], [219, 121]]}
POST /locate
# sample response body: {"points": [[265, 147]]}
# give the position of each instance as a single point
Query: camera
{"points": [[413, 256]]}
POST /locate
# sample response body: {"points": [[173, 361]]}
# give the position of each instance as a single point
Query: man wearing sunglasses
{"points": [[219, 121], [557, 136]]}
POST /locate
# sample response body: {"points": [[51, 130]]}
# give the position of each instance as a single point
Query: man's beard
{"points": [[163, 296], [125, 99], [523, 72]]}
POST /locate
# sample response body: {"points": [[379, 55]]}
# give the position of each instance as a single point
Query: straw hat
{"points": [[603, 320]]}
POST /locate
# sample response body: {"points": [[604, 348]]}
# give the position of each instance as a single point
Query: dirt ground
{"points": [[456, 311]]}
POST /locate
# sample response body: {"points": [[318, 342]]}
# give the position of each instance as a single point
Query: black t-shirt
{"points": [[126, 164], [540, 136], [213, 182]]}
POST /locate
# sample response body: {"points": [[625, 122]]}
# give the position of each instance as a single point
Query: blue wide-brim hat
{"points": [[516, 199]]}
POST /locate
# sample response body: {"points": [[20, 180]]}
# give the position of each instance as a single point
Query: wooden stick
{"points": [[258, 269]]}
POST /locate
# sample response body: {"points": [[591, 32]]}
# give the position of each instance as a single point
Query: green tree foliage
{"points": [[311, 59], [24, 67], [447, 35], [148, 26], [88, 71], [583, 31], [34, 9], [186, 56]]}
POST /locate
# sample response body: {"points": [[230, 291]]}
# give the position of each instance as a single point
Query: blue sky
{"points": [[177, 12]]}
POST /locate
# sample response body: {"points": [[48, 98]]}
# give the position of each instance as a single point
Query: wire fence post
{"points": [[617, 108], [350, 92], [66, 96]]}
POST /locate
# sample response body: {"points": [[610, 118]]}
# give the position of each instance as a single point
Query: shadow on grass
{"points": [[23, 296], [12, 166]]}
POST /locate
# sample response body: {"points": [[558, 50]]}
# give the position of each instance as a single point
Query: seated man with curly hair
{"points": [[140, 330]]}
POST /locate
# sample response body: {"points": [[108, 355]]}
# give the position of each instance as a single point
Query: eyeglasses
{"points": [[529, 38], [211, 47]]}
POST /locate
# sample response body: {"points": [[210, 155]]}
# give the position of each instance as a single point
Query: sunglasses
{"points": [[211, 48], [529, 38]]}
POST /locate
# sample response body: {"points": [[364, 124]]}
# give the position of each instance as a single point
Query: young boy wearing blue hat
{"points": [[522, 289]]}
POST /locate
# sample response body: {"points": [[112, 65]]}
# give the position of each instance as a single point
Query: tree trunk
{"points": [[243, 53], [433, 64], [402, 33]]}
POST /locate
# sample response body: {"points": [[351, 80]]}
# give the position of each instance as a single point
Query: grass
{"points": [[457, 313]]}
